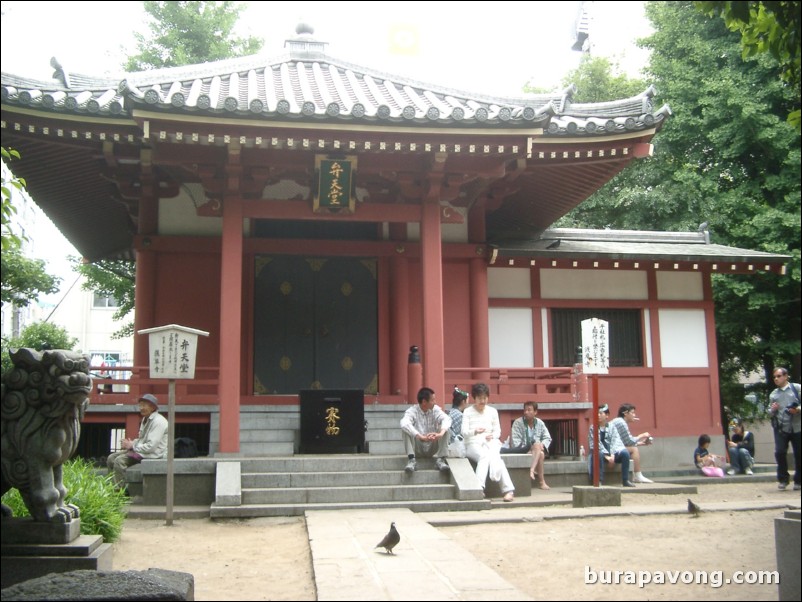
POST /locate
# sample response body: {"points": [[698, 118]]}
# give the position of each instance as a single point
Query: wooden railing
{"points": [[114, 388], [544, 385], [512, 385]]}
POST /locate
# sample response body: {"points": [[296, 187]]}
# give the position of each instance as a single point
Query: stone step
{"points": [[388, 434], [266, 421], [331, 463], [320, 495], [258, 510], [386, 448], [262, 448], [395, 478], [263, 435]]}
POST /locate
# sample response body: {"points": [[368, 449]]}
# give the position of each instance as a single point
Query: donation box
{"points": [[332, 421]]}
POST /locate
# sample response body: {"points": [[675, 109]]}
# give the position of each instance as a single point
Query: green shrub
{"points": [[102, 505]]}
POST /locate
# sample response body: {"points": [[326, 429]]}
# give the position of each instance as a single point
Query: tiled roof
{"points": [[526, 160], [309, 85], [638, 245]]}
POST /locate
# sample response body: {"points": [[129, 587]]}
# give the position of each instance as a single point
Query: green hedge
{"points": [[102, 505]]}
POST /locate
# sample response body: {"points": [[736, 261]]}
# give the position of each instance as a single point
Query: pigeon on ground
{"points": [[693, 508], [390, 540]]}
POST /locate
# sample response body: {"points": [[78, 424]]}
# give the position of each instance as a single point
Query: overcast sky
{"points": [[495, 49]]}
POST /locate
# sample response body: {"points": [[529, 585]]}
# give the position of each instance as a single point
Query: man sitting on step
{"points": [[530, 435], [424, 428]]}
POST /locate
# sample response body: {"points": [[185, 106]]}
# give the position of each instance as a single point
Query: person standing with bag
{"points": [[151, 442], [787, 423]]}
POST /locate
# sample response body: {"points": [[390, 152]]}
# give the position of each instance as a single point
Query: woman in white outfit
{"points": [[481, 430]]}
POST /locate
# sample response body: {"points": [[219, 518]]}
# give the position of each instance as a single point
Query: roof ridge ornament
{"points": [[304, 42], [60, 72]]}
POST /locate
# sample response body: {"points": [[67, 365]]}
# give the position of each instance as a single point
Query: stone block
{"points": [[464, 478], [229, 484], [585, 496], [24, 530], [152, 584], [24, 562], [788, 548]]}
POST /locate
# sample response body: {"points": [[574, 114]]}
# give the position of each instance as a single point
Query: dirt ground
{"points": [[269, 558]]}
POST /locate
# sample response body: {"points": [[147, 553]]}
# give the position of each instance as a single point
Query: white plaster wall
{"points": [[509, 283], [177, 216], [683, 338], [592, 284], [677, 286], [511, 343], [456, 232]]}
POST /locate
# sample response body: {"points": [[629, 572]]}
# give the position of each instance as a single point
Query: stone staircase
{"points": [[292, 485], [270, 477], [274, 430]]}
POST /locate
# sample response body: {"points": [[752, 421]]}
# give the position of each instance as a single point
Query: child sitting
{"points": [[703, 459]]}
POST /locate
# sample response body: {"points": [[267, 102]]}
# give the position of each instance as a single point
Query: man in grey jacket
{"points": [[786, 420], [151, 442]]}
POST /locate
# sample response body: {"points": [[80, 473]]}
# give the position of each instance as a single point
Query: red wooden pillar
{"points": [[230, 388], [145, 279], [133, 420], [399, 324], [658, 384], [433, 351], [712, 351], [479, 297], [145, 302], [480, 336]]}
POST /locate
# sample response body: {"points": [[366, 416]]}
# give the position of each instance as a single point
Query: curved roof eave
{"points": [[315, 86]]}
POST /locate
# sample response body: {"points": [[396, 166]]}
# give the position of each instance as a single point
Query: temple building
{"points": [[338, 228]]}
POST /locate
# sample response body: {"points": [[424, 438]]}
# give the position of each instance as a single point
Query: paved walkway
{"points": [[427, 564]]}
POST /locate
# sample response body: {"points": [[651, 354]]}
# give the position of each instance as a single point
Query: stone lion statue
{"points": [[44, 398]]}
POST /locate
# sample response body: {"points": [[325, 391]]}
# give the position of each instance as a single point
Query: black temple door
{"points": [[315, 324]]}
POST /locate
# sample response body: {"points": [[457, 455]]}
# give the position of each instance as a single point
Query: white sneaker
{"points": [[748, 471], [642, 479], [731, 471]]}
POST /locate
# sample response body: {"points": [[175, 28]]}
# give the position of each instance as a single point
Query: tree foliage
{"points": [[39, 336], [186, 33], [182, 33], [599, 80], [115, 279], [728, 157], [9, 184], [24, 279], [766, 27]]}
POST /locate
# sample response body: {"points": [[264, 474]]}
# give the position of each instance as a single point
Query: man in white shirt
{"points": [[425, 431], [626, 414]]}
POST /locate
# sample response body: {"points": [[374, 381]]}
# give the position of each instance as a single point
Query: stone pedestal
{"points": [[788, 543], [586, 496], [30, 549]]}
